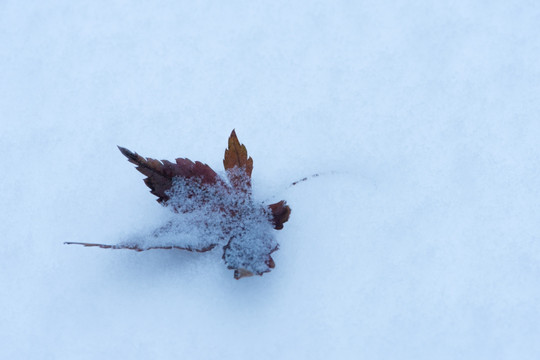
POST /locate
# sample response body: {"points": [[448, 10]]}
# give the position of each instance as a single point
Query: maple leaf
{"points": [[215, 206]]}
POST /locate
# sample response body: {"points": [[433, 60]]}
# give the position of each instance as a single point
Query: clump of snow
{"points": [[251, 236], [205, 216]]}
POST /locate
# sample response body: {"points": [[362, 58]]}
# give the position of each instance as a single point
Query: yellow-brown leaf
{"points": [[236, 156]]}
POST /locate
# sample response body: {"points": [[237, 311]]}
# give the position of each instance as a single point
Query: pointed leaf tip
{"points": [[124, 151], [236, 156]]}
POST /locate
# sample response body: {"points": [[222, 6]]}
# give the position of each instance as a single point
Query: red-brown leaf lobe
{"points": [[280, 214], [160, 174]]}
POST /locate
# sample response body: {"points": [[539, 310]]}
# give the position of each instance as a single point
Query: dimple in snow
{"points": [[210, 211]]}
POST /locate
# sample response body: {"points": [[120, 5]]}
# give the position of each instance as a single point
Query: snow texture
{"points": [[423, 244]]}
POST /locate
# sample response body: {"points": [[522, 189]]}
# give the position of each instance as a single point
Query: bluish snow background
{"points": [[423, 244]]}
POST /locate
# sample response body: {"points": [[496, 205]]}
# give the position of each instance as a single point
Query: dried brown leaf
{"points": [[248, 249]]}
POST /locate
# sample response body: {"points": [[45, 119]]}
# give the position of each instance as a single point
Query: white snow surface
{"points": [[422, 241]]}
